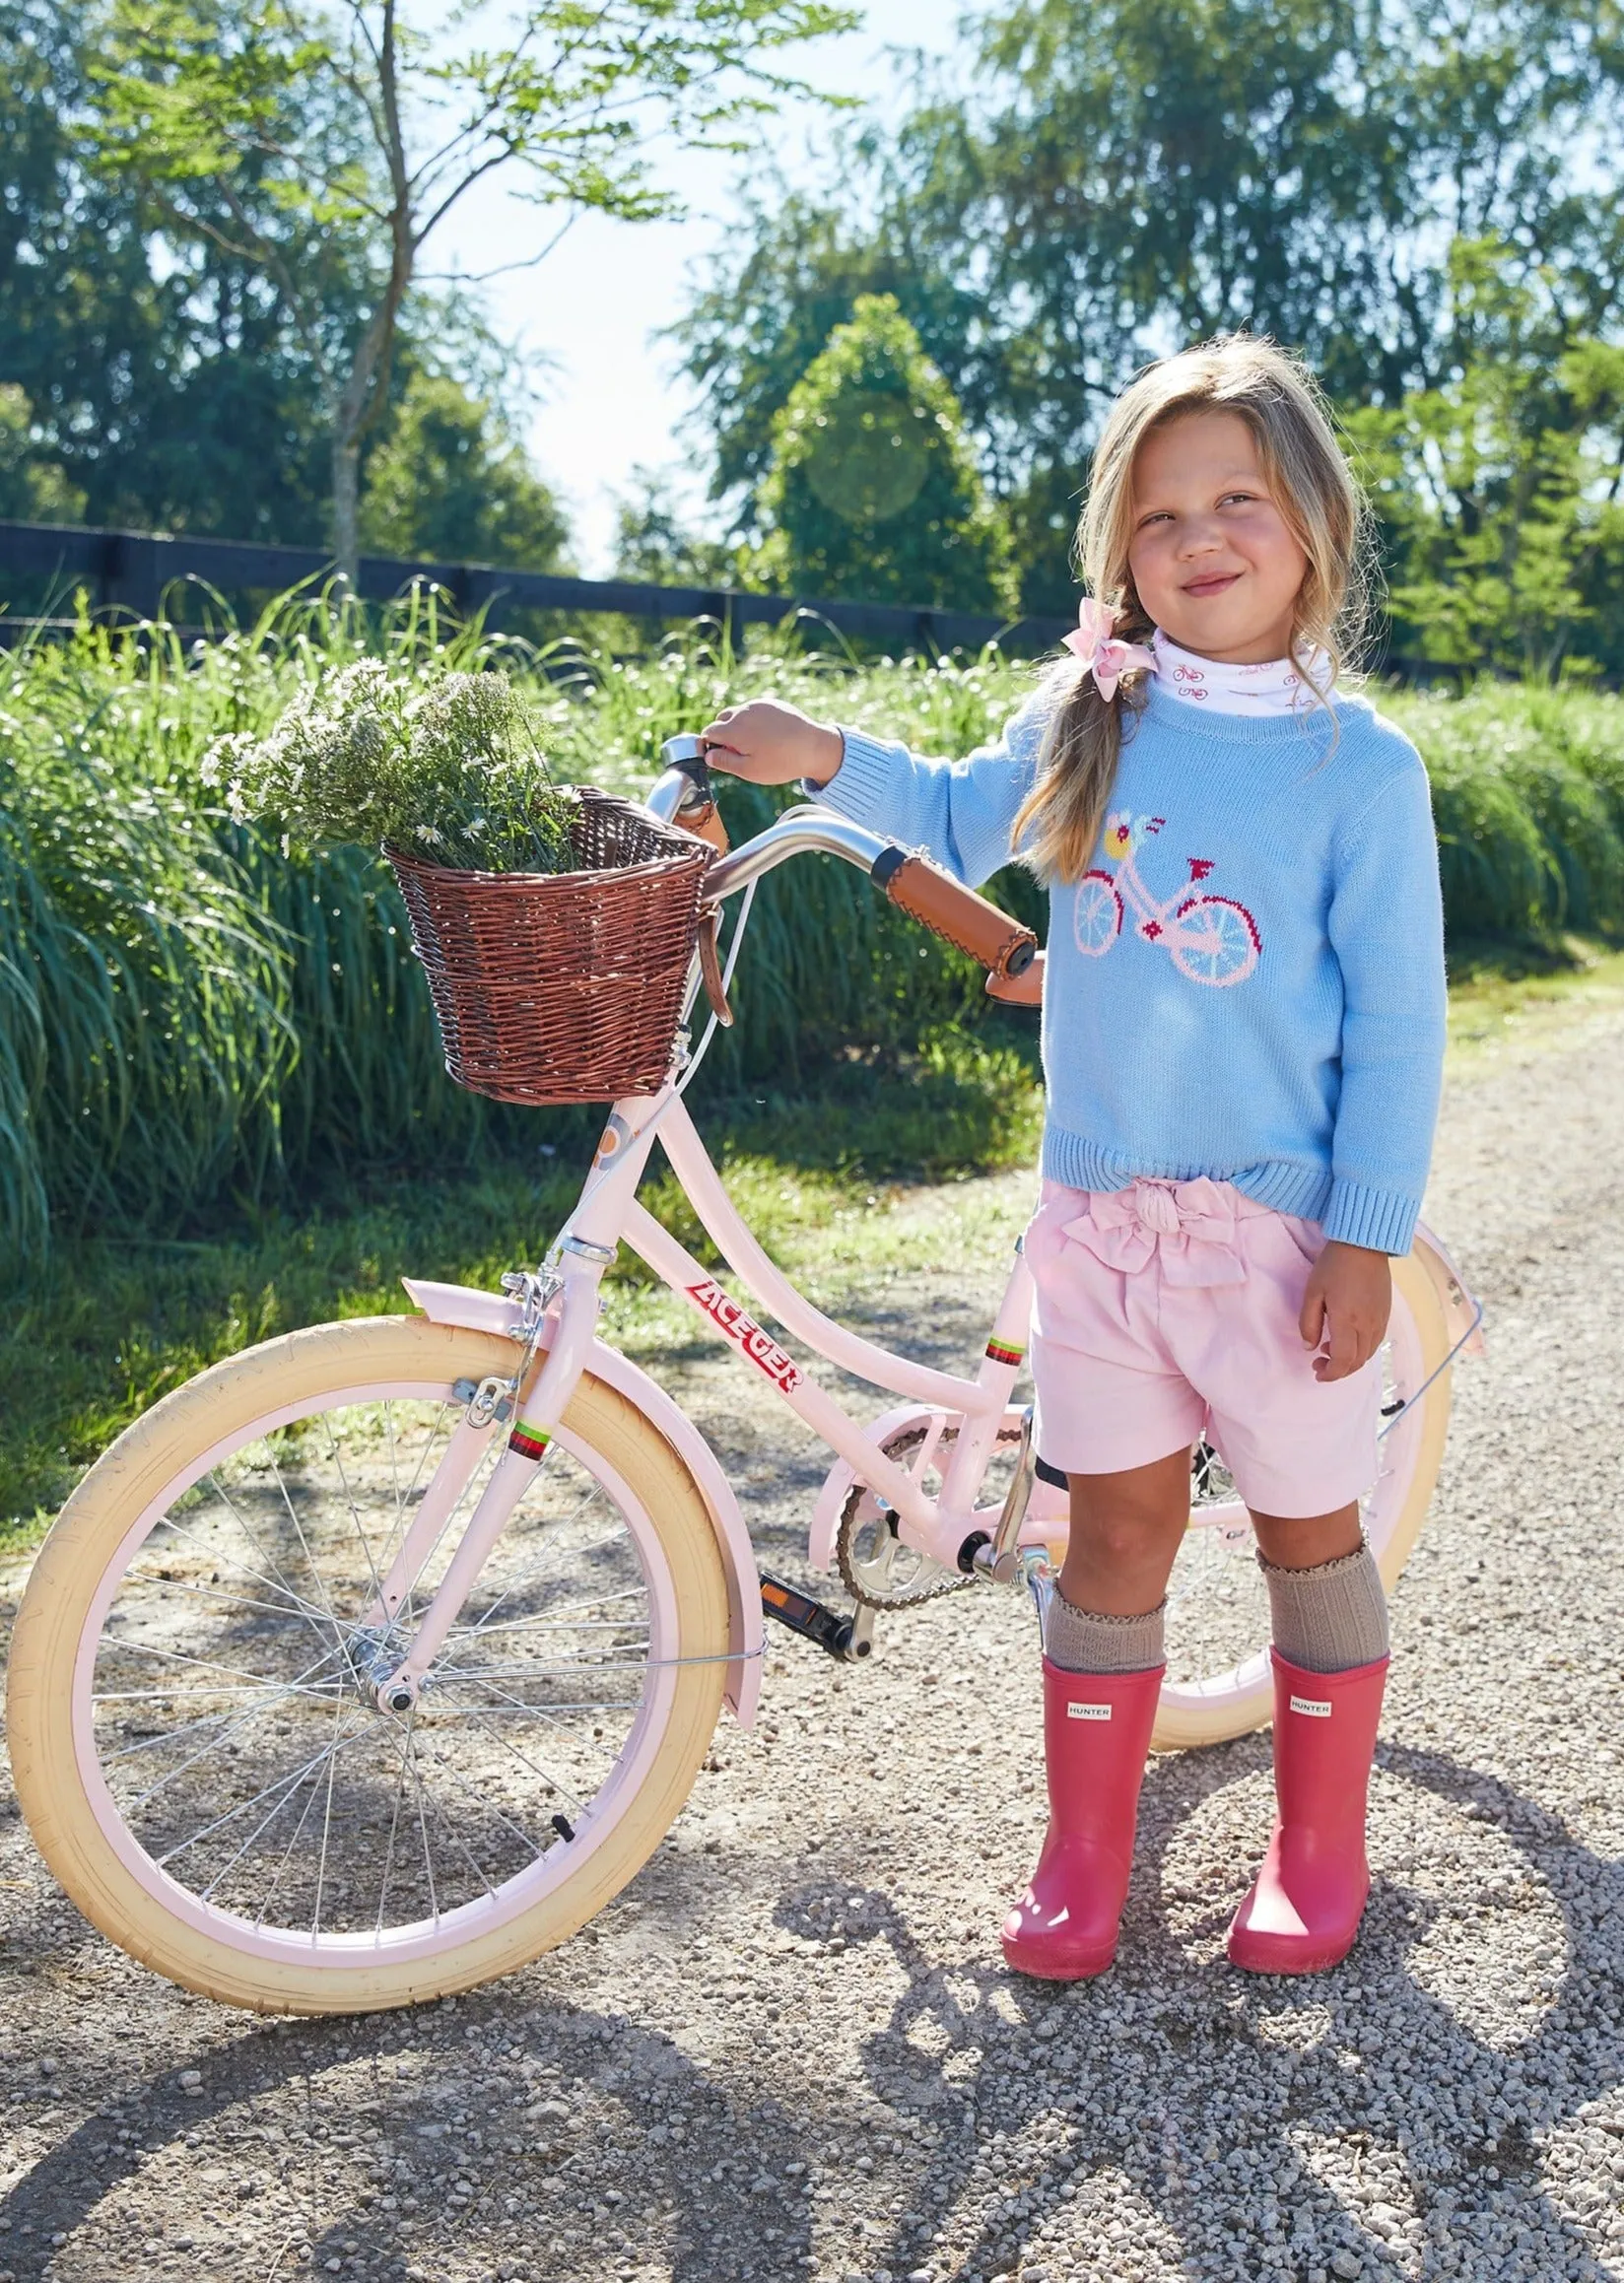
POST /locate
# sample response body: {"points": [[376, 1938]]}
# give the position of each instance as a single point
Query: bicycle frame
{"points": [[608, 1214]]}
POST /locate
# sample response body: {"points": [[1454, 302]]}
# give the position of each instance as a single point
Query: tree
{"points": [[1095, 185], [1502, 490], [653, 542], [164, 382], [238, 119], [34, 487], [755, 326], [873, 491], [449, 482]]}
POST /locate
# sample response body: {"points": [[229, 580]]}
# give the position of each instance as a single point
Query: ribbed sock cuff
{"points": [[1081, 1643], [1331, 1618]]}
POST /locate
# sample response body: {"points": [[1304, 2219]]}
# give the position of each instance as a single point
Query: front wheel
{"points": [[196, 1740]]}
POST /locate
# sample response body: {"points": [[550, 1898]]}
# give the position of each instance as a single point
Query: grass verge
{"points": [[117, 1322]]}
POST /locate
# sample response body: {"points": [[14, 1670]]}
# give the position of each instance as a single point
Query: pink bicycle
{"points": [[371, 1663], [1209, 938]]}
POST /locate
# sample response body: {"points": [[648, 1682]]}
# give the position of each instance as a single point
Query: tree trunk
{"points": [[364, 393], [347, 503]]}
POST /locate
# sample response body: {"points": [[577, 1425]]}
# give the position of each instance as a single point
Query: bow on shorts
{"points": [[1190, 1225]]}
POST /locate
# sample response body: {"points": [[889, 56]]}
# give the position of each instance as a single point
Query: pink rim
{"points": [[424, 1938]]}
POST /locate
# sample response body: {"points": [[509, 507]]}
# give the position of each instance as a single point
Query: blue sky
{"points": [[611, 396]]}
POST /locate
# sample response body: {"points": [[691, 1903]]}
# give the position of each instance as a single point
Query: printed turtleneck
{"points": [[1276, 687]]}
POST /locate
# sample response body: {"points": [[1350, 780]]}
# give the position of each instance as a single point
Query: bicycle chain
{"points": [[945, 1581]]}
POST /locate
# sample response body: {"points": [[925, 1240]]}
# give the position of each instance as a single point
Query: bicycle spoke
{"points": [[211, 1719], [242, 1806], [349, 1500], [237, 1720], [313, 1771], [208, 1593], [423, 1829], [516, 1706], [394, 1824], [463, 1784], [509, 1591], [539, 1711], [277, 1584], [117, 1645], [298, 1534], [254, 1712], [458, 1840], [326, 1832], [252, 1839], [482, 1627]]}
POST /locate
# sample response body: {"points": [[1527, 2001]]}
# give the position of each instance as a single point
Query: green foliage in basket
{"points": [[441, 766]]}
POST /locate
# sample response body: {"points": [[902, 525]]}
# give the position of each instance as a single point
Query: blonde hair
{"points": [[1273, 392]]}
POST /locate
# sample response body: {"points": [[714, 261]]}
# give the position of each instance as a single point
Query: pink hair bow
{"points": [[1098, 649]]}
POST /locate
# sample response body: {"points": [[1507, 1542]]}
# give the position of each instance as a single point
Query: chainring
{"points": [[877, 1568]]}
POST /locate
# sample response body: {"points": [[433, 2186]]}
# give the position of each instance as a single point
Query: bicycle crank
{"points": [[878, 1568]]}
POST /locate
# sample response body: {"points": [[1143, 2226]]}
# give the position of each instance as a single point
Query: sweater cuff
{"points": [[1380, 1220], [857, 787]]}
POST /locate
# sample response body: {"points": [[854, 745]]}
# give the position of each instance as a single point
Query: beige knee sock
{"points": [[1081, 1643], [1330, 1618]]}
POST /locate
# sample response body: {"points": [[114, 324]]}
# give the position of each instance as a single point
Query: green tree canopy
{"points": [[449, 482], [1501, 490], [874, 491], [165, 384], [655, 541], [1088, 187], [325, 145]]}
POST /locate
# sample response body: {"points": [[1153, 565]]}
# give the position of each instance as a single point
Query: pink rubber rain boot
{"points": [[1096, 1734], [1306, 1903]]}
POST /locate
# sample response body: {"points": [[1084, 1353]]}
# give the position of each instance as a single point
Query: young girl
{"points": [[1243, 1033]]}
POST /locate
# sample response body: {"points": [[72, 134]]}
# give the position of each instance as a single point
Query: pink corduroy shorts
{"points": [[1169, 1310]]}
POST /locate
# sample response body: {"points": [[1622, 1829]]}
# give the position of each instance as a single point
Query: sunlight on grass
{"points": [[118, 1323], [1500, 993]]}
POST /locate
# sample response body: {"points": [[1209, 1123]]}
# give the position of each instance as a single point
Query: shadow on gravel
{"points": [[1149, 2064], [1194, 2101], [610, 2083]]}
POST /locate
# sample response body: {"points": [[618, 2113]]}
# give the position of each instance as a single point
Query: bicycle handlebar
{"points": [[916, 886]]}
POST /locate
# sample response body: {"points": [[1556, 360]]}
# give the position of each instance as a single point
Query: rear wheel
{"points": [[194, 1726], [1219, 1682]]}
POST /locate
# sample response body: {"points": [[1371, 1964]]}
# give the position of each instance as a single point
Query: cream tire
{"points": [[1234, 1704], [56, 1790]]}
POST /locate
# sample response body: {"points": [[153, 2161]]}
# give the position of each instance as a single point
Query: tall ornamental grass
{"points": [[191, 1014]]}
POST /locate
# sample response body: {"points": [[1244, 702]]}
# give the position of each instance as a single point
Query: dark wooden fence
{"points": [[138, 572]]}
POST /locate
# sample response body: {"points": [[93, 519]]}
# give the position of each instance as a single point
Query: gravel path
{"points": [[790, 2050]]}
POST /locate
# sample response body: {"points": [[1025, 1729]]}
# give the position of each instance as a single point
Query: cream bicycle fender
{"points": [[492, 1311], [1464, 1309]]}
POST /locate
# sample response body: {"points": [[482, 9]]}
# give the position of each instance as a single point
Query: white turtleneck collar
{"points": [[1275, 687]]}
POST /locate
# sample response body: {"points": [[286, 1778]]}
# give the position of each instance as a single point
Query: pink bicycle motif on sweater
{"points": [[1211, 939]]}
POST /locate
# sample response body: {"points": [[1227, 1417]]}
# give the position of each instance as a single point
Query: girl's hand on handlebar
{"points": [[770, 743]]}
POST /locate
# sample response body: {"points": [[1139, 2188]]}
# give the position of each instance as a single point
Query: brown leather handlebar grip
{"points": [[954, 913], [1023, 991]]}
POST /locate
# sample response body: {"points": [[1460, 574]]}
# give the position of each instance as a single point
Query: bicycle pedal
{"points": [[837, 1636]]}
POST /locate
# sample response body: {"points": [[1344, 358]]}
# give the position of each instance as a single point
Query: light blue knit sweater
{"points": [[1248, 982]]}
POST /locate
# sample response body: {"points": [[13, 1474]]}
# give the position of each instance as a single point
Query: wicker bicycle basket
{"points": [[567, 988]]}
